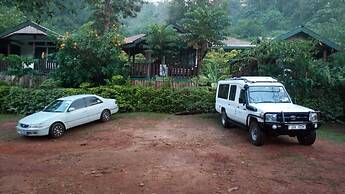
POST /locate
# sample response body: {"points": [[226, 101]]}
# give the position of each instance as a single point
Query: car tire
{"points": [[307, 139], [225, 120], [105, 116], [256, 135], [57, 130]]}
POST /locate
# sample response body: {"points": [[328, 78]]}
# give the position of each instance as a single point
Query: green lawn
{"points": [[8, 117], [334, 132]]}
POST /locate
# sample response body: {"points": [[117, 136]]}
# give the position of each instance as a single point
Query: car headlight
{"points": [[271, 117], [313, 117], [39, 125]]}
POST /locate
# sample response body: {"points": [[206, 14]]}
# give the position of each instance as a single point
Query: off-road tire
{"points": [[307, 139], [57, 130], [224, 119], [105, 116], [256, 135]]}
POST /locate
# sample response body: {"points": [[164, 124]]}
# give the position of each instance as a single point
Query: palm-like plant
{"points": [[162, 41]]}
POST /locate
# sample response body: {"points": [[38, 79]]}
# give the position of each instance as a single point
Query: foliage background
{"points": [[130, 99]]}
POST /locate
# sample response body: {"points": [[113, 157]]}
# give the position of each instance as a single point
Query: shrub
{"points": [[3, 83], [50, 83], [130, 99], [117, 80], [87, 56], [18, 66]]}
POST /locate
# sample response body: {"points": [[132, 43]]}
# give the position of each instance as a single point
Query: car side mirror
{"points": [[71, 109]]}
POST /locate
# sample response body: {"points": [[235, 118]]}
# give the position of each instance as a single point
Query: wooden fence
{"points": [[42, 66], [160, 84], [139, 70]]}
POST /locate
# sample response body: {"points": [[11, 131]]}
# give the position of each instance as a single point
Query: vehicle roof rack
{"points": [[255, 79]]}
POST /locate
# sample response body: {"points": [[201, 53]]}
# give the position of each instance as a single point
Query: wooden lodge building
{"points": [[182, 66], [326, 47], [30, 39]]}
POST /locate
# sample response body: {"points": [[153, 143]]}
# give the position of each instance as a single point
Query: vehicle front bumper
{"points": [[32, 131], [283, 128]]}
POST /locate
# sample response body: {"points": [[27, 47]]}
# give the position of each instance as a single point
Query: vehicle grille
{"points": [[294, 117], [24, 125]]}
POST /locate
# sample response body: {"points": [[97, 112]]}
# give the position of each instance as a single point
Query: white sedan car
{"points": [[65, 113]]}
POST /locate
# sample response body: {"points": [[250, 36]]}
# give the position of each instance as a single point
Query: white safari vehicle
{"points": [[65, 113], [262, 105]]}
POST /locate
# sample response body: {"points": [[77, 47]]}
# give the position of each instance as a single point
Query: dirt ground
{"points": [[159, 153]]}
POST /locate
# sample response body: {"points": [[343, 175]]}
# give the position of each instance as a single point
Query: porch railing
{"points": [[142, 70], [42, 66]]}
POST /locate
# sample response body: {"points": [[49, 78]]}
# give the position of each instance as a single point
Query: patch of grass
{"points": [[333, 133], [148, 115], [8, 117]]}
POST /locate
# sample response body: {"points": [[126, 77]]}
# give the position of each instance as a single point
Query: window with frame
{"points": [[242, 98], [223, 91], [78, 104], [90, 101], [233, 90]]}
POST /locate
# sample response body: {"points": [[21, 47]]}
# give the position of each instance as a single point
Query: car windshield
{"points": [[268, 94], [57, 106]]}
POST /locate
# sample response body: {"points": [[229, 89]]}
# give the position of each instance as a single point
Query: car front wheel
{"points": [[105, 116], [256, 135], [57, 130], [307, 139]]}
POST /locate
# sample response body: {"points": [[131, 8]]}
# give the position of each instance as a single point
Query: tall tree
{"points": [[37, 10], [206, 23], [109, 12]]}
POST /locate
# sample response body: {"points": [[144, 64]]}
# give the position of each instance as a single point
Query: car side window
{"points": [[78, 104], [232, 92], [223, 91], [242, 98], [90, 101]]}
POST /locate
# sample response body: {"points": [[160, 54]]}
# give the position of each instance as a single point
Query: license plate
{"points": [[297, 127]]}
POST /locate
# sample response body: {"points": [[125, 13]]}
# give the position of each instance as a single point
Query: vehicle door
{"points": [[241, 110], [94, 108], [76, 113], [222, 96], [230, 110]]}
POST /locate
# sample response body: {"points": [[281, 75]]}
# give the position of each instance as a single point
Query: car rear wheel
{"points": [[105, 116], [57, 130], [307, 139], [225, 120], [256, 135]]}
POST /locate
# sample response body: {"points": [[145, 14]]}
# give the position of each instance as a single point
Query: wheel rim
{"points": [[223, 120], [58, 130], [106, 115], [254, 133]]}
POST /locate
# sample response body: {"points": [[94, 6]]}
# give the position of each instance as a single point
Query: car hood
{"points": [[39, 117], [280, 107]]}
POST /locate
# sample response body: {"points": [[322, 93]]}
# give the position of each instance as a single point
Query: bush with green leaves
{"points": [[50, 83], [18, 65], [215, 67], [130, 99], [88, 56], [310, 82]]}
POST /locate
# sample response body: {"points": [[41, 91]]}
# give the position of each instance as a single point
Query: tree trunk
{"points": [[107, 14], [201, 53]]}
